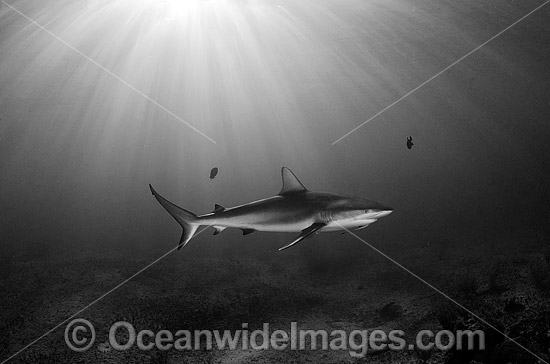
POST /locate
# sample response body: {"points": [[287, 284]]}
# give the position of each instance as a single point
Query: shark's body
{"points": [[294, 209]]}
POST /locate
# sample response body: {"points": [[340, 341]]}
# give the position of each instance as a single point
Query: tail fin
{"points": [[187, 219]]}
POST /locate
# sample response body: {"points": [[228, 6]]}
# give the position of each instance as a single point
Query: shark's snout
{"points": [[379, 212], [385, 212], [388, 210]]}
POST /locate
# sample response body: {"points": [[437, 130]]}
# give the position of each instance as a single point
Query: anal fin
{"points": [[307, 232], [247, 231]]}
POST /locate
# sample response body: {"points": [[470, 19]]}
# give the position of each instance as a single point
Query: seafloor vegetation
{"points": [[331, 289]]}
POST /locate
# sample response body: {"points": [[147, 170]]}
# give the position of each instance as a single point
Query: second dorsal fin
{"points": [[218, 208], [291, 183]]}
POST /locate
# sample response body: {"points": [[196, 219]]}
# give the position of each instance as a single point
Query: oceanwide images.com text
{"points": [[80, 336]]}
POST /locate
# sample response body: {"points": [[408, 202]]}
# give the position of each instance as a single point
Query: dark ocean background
{"points": [[274, 83]]}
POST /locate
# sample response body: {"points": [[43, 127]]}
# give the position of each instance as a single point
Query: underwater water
{"points": [[99, 99]]}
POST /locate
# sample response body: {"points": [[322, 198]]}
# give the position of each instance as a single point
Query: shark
{"points": [[293, 209]]}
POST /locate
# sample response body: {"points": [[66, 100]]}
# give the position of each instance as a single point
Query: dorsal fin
{"points": [[218, 208], [291, 183]]}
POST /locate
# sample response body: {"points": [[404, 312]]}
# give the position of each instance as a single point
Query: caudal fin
{"points": [[187, 219]]}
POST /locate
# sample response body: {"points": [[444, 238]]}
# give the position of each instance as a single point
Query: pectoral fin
{"points": [[305, 234]]}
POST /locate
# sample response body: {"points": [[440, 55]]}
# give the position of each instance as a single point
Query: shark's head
{"points": [[343, 211], [357, 213]]}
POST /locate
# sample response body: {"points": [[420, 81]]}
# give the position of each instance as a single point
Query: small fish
{"points": [[213, 172], [410, 142]]}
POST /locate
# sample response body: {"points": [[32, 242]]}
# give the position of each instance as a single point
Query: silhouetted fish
{"points": [[410, 142], [213, 172]]}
